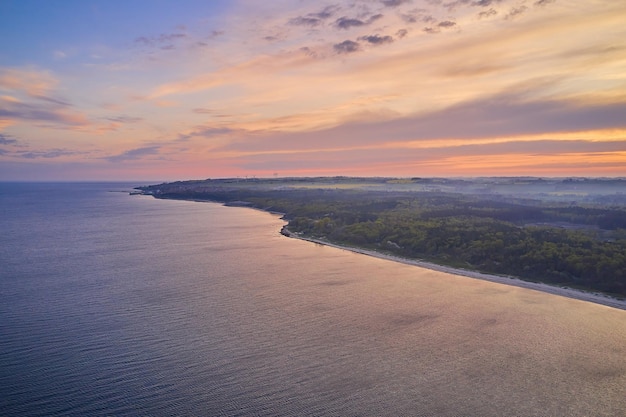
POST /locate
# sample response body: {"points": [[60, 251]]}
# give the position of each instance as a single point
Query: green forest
{"points": [[579, 245]]}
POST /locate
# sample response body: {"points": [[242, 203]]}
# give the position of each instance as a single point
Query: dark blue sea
{"points": [[125, 305]]}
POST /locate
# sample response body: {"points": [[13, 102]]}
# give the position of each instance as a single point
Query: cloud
{"points": [[276, 84], [346, 47], [508, 153], [34, 83], [144, 40], [125, 119], [326, 13], [374, 18], [485, 3], [516, 11], [376, 39], [48, 154], [43, 113], [7, 139], [266, 95], [472, 68], [508, 115], [263, 65], [313, 19], [134, 154], [394, 3], [416, 16], [500, 116], [409, 18], [209, 131], [446, 24], [206, 132], [451, 6], [543, 2], [213, 113], [347, 23], [308, 52], [19, 151], [487, 13], [203, 111], [164, 38], [305, 21], [32, 98], [53, 100]]}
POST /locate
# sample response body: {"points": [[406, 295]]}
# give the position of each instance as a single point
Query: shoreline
{"points": [[596, 298]]}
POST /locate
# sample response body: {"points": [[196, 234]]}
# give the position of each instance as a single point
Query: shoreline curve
{"points": [[596, 298]]}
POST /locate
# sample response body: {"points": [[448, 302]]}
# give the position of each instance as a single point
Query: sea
{"points": [[114, 304]]}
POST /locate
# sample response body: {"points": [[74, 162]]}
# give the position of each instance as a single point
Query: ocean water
{"points": [[112, 304]]}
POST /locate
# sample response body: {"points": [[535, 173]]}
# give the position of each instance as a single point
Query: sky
{"points": [[192, 89]]}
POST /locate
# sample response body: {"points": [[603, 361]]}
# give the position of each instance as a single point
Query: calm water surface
{"points": [[113, 304]]}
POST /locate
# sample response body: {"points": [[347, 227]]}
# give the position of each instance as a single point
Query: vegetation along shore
{"points": [[564, 236]]}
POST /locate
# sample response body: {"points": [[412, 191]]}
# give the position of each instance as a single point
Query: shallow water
{"points": [[127, 305]]}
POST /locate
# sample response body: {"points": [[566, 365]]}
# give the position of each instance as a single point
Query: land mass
{"points": [[565, 236]]}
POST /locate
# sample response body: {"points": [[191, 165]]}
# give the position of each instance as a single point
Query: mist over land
{"points": [[562, 231]]}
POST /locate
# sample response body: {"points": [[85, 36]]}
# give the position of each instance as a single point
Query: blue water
{"points": [[114, 304]]}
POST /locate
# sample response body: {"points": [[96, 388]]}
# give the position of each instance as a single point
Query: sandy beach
{"points": [[560, 291]]}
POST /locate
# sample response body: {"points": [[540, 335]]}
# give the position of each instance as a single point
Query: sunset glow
{"points": [[107, 90]]}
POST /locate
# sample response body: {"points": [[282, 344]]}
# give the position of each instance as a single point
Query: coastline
{"points": [[596, 298]]}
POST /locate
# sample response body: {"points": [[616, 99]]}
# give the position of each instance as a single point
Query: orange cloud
{"points": [[35, 83], [271, 89]]}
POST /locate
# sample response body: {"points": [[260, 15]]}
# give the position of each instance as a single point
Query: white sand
{"points": [[597, 298]]}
